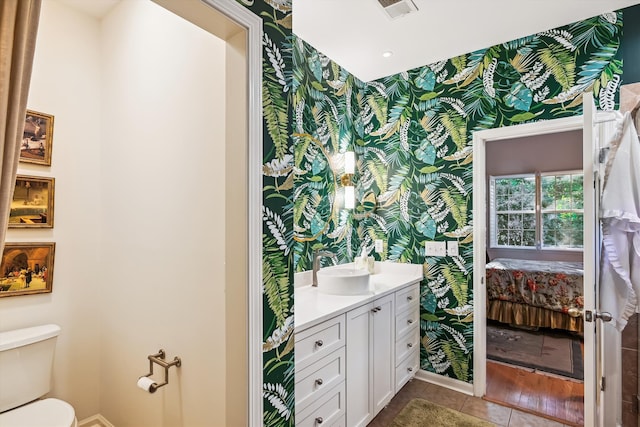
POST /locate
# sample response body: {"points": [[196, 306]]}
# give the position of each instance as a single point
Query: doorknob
{"points": [[589, 316]]}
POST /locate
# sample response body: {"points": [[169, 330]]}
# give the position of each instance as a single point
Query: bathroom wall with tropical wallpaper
{"points": [[277, 212], [412, 134]]}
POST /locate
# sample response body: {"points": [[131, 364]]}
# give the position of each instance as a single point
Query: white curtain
{"points": [[18, 30]]}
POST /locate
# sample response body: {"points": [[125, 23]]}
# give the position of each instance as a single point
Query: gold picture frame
{"points": [[37, 138], [32, 204], [27, 268]]}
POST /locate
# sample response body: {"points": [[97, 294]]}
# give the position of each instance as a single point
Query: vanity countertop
{"points": [[313, 307]]}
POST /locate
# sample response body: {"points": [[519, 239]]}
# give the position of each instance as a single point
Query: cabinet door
{"points": [[359, 366], [383, 350]]}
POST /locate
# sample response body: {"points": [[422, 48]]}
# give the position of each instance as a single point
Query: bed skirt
{"points": [[525, 315]]}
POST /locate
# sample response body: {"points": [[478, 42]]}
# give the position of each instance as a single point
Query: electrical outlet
{"points": [[379, 246], [435, 249], [452, 248]]}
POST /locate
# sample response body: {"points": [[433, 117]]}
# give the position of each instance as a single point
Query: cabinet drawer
{"points": [[406, 321], [314, 343], [407, 297], [319, 377], [407, 369], [341, 422], [327, 410], [406, 344]]}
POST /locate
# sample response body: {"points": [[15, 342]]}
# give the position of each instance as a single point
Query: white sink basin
{"points": [[340, 280]]}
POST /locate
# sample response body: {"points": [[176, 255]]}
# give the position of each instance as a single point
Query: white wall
{"points": [[139, 162], [66, 83], [162, 267]]}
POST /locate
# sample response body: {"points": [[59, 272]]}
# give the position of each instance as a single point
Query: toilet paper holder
{"points": [[159, 358]]}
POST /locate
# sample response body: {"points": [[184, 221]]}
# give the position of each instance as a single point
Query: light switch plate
{"points": [[452, 248], [435, 248], [379, 246]]}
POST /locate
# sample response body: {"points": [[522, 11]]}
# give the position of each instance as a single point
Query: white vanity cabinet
{"points": [[407, 333], [370, 355], [354, 352], [320, 374]]}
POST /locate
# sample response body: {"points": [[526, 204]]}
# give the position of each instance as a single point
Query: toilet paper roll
{"points": [[147, 384]]}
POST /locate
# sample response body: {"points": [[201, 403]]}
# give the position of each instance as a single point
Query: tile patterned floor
{"points": [[497, 414]]}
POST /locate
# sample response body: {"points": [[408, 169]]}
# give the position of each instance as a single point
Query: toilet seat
{"points": [[41, 413]]}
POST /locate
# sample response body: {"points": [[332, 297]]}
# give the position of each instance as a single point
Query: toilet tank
{"points": [[26, 361]]}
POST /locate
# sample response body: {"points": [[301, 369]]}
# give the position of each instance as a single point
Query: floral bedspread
{"points": [[554, 285]]}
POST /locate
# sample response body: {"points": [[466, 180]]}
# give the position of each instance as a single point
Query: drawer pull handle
{"points": [[319, 420], [410, 345], [319, 381], [410, 298], [319, 343], [410, 321], [410, 369]]}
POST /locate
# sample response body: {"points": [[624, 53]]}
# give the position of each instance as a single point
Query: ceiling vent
{"points": [[397, 8]]}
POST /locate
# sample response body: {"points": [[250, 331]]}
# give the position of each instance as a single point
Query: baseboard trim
{"points": [[446, 382], [95, 421]]}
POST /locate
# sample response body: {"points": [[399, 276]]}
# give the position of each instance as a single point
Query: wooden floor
{"points": [[544, 395]]}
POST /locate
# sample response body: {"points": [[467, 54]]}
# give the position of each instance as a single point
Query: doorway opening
{"points": [[242, 32], [507, 318]]}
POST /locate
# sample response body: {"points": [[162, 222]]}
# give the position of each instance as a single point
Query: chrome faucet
{"points": [[316, 263]]}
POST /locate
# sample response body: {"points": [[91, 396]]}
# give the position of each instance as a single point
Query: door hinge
{"points": [[602, 384], [602, 156]]}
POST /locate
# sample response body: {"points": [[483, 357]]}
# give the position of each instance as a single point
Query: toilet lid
{"points": [[41, 413]]}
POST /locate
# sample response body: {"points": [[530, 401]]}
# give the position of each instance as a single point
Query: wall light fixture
{"points": [[347, 179]]}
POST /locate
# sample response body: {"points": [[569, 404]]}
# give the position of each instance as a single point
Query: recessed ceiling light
{"points": [[387, 54]]}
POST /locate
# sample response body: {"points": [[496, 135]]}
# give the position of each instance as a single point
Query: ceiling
{"points": [[355, 33]]}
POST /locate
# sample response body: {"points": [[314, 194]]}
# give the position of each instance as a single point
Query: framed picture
{"points": [[26, 268], [37, 138], [32, 204]]}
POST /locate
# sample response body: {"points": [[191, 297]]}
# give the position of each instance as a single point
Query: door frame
{"points": [[480, 139], [253, 25]]}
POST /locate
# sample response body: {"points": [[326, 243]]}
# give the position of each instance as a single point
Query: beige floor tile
{"points": [[522, 419], [489, 411], [444, 397], [461, 402]]}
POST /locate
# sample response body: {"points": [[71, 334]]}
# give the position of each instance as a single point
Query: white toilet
{"points": [[26, 361]]}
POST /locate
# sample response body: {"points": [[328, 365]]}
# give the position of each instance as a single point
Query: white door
{"points": [[601, 341], [590, 259]]}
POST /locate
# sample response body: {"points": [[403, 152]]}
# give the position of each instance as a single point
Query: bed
{"points": [[535, 293]]}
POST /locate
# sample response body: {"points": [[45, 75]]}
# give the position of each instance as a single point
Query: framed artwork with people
{"points": [[32, 204], [26, 268], [37, 138]]}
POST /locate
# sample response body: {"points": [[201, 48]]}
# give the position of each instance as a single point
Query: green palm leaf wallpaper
{"points": [[277, 212], [425, 139], [326, 121], [412, 134]]}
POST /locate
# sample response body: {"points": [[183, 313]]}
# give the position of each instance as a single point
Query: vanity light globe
{"points": [[349, 162], [349, 197]]}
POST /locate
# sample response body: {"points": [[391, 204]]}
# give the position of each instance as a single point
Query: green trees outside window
{"points": [[543, 211]]}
